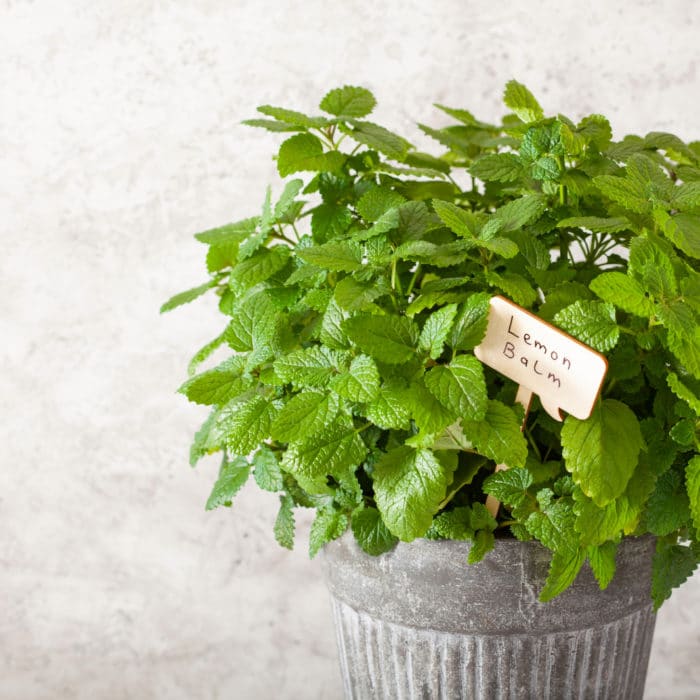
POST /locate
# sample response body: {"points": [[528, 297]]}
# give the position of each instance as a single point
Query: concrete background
{"points": [[119, 138]]}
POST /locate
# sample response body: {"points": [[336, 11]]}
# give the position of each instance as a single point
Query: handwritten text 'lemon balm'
{"points": [[563, 372]]}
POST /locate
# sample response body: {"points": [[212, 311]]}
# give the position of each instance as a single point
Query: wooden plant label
{"points": [[566, 374]]}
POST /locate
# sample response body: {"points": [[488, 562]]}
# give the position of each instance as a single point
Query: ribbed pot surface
{"points": [[419, 622]]}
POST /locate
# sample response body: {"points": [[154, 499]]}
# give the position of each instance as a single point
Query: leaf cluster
{"points": [[354, 299]]}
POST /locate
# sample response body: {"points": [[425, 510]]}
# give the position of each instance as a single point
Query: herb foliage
{"points": [[354, 299]]}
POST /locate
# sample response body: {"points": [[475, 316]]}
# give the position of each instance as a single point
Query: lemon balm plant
{"points": [[353, 299]]}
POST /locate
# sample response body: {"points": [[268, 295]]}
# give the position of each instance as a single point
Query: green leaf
{"points": [[458, 220], [389, 409], [219, 385], [454, 524], [258, 268], [596, 224], [201, 445], [436, 329], [284, 524], [592, 322], [602, 561], [232, 477], [673, 565], [376, 202], [360, 383], [352, 295], [380, 139], [692, 480], [391, 339], [683, 392], [307, 367], [187, 296], [649, 262], [515, 214], [429, 414], [625, 292], [335, 452], [686, 196], [409, 485], [329, 221], [601, 452], [272, 125], [332, 333], [484, 542], [514, 286], [687, 348], [267, 473], [472, 321], [431, 254], [253, 323], [249, 424], [344, 256], [304, 152], [348, 102], [682, 229], [597, 525], [230, 233], [291, 190], [328, 525], [630, 194], [306, 414], [563, 571], [498, 435], [519, 99], [511, 486], [497, 167], [371, 533], [554, 524], [290, 116], [460, 386], [668, 507]]}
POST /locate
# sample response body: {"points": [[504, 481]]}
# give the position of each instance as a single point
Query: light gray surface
{"points": [[119, 137]]}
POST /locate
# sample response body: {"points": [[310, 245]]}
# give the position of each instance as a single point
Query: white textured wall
{"points": [[119, 138]]}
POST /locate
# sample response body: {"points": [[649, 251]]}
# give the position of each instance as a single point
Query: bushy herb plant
{"points": [[354, 299]]}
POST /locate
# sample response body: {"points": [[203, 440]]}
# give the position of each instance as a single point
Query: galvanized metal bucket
{"points": [[419, 622]]}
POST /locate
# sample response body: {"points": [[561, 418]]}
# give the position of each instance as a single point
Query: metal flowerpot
{"points": [[419, 622]]}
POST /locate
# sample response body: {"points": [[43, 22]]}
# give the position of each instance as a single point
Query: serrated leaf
{"points": [[307, 367], [258, 268], [686, 196], [563, 570], [668, 507], [201, 445], [304, 152], [329, 221], [592, 322], [219, 385], [328, 525], [348, 102], [498, 435], [306, 414], [484, 542], [686, 347], [602, 451], [187, 296], [649, 262], [253, 323], [248, 424], [683, 392], [511, 488], [371, 533], [673, 564], [692, 481], [460, 386], [267, 472], [352, 295], [516, 214], [409, 485], [429, 253], [203, 353], [429, 414], [284, 524], [230, 233], [472, 320], [514, 286], [389, 409], [376, 202], [454, 524], [625, 292], [272, 125], [290, 116], [596, 224], [630, 194], [380, 139], [342, 256], [596, 525], [360, 382], [458, 220], [232, 477], [332, 333], [391, 339], [436, 329], [602, 561], [291, 190], [335, 451], [519, 99], [682, 229], [497, 167]]}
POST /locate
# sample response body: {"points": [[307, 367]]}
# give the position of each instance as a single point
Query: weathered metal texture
{"points": [[418, 622]]}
